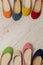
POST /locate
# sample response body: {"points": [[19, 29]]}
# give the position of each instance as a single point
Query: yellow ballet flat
{"points": [[26, 7], [25, 11]]}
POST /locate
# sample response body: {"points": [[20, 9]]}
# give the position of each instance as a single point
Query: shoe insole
{"points": [[6, 5], [37, 61], [26, 3], [37, 7], [5, 59], [17, 60], [27, 56], [17, 7]]}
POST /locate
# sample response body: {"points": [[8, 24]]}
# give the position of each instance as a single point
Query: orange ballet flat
{"points": [[7, 12]]}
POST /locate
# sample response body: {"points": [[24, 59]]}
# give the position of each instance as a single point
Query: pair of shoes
{"points": [[7, 11], [28, 59], [27, 6], [24, 58], [21, 8]]}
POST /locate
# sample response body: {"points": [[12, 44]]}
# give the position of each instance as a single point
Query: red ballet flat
{"points": [[37, 9]]}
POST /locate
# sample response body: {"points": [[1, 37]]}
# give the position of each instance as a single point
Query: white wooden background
{"points": [[17, 33]]}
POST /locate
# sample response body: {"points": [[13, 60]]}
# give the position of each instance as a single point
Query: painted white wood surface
{"points": [[17, 33]]}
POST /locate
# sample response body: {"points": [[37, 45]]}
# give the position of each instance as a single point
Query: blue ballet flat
{"points": [[17, 16], [37, 53]]}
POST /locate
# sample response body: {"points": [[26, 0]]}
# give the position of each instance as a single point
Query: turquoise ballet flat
{"points": [[17, 10]]}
